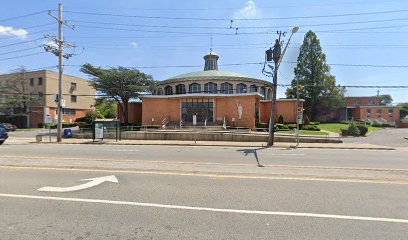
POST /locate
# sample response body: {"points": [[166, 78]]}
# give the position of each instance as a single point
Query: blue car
{"points": [[3, 135]]}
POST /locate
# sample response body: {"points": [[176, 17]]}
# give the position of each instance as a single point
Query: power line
{"points": [[13, 44], [244, 27], [23, 16], [260, 63], [21, 56], [240, 19], [20, 50]]}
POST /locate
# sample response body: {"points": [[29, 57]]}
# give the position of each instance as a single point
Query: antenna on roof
{"points": [[378, 92]]}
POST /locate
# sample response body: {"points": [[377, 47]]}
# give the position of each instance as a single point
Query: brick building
{"points": [[210, 97], [363, 108], [79, 96]]}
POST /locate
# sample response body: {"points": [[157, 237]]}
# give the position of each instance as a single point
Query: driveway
{"points": [[393, 137]]}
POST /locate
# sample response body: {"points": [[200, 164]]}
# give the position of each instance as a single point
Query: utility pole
{"points": [[60, 53], [276, 58], [276, 55]]}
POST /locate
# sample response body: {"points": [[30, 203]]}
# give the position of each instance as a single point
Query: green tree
{"points": [[385, 99], [321, 94], [18, 96], [403, 109], [120, 84], [106, 107]]}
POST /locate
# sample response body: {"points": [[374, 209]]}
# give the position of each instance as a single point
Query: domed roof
{"points": [[209, 74]]}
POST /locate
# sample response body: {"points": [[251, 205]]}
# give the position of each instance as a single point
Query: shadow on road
{"points": [[247, 152]]}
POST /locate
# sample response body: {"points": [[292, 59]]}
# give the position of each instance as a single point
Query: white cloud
{"points": [[15, 32], [249, 11], [51, 44], [134, 44]]}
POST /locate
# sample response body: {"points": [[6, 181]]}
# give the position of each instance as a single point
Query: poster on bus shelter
{"points": [[98, 130]]}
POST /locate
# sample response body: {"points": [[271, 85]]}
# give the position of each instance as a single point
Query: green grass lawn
{"points": [[335, 127], [305, 132]]}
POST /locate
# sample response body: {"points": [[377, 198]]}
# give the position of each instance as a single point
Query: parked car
{"points": [[3, 135], [8, 126]]}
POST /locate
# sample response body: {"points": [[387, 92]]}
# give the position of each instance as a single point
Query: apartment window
{"points": [[73, 86], [73, 98], [40, 81], [40, 94], [356, 102], [31, 81], [263, 92], [372, 101], [379, 112], [368, 111], [391, 112], [68, 112]]}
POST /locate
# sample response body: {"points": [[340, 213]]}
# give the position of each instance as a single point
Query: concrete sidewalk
{"points": [[227, 144]]}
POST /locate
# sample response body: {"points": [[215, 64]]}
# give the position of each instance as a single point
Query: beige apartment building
{"points": [[78, 95]]}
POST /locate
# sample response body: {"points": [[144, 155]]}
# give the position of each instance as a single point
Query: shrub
{"points": [[280, 119], [311, 128], [280, 127], [376, 125], [291, 126], [344, 132], [385, 125], [262, 125], [314, 123], [353, 130], [363, 129], [90, 116], [40, 125]]}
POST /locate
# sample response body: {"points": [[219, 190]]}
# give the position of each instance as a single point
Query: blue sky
{"points": [[106, 40]]}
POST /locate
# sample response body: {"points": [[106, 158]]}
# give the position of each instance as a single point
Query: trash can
{"points": [[67, 133]]}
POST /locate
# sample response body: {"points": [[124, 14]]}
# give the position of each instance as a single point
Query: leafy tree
{"points": [[18, 98], [106, 107], [403, 109], [385, 99], [120, 84], [321, 94]]}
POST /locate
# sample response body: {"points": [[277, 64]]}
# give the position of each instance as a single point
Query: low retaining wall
{"points": [[191, 136]]}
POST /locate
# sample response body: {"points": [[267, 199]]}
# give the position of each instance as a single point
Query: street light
{"points": [[276, 55]]}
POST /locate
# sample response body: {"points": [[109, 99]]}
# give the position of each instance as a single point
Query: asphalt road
{"points": [[202, 193]]}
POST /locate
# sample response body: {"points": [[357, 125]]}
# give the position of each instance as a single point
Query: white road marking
{"points": [[92, 183], [207, 209], [122, 150]]}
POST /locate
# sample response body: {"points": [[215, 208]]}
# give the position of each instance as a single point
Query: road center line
{"points": [[206, 209], [210, 163]]}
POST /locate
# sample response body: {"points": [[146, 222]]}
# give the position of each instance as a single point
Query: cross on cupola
{"points": [[211, 61]]}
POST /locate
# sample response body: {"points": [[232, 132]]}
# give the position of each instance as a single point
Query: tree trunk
{"points": [[126, 112]]}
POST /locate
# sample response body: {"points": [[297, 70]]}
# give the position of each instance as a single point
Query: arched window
{"points": [[253, 88], [241, 88], [269, 95], [226, 88], [210, 87], [168, 90], [195, 88], [263, 93], [180, 89]]}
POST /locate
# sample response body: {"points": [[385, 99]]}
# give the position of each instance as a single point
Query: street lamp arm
{"points": [[284, 50]]}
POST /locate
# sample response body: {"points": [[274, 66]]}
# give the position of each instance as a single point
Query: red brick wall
{"points": [[227, 106], [159, 109], [362, 101], [134, 113], [361, 113], [285, 108]]}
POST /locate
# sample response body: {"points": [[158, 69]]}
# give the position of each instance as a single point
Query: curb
{"points": [[261, 144]]}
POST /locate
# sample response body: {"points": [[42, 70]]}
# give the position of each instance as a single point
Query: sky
{"points": [[155, 35]]}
